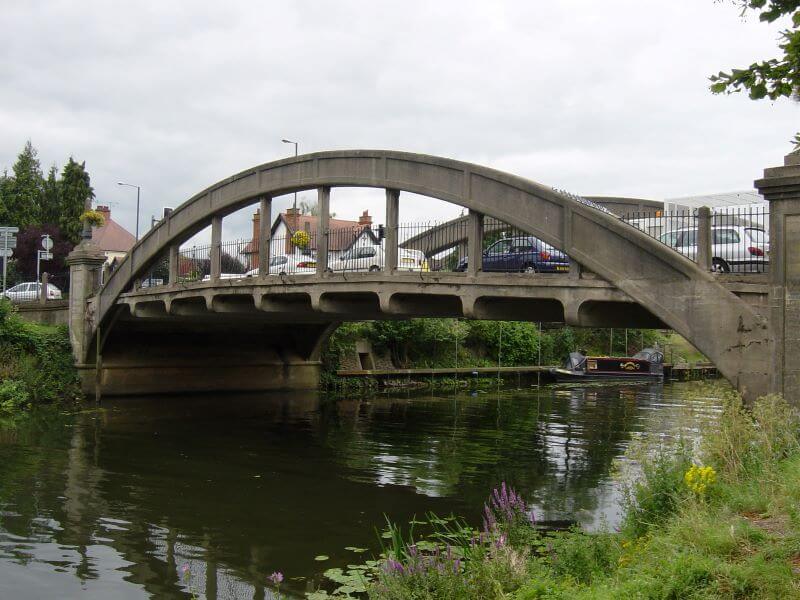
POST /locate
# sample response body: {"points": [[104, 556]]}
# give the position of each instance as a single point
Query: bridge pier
{"points": [[781, 187]]}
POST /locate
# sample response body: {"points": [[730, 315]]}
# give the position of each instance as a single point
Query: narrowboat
{"points": [[647, 365]]}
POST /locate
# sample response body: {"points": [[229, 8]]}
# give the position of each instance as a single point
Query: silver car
{"points": [[289, 264], [734, 248], [30, 292]]}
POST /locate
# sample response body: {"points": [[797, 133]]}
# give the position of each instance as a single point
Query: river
{"points": [[113, 502]]}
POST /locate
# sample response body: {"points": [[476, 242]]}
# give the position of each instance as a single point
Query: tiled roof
{"points": [[113, 237]]}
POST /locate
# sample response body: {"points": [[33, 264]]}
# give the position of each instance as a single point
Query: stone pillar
{"points": [[475, 243], [43, 289], [704, 238], [781, 187], [323, 224], [174, 263], [392, 217], [216, 247], [264, 235], [84, 263]]}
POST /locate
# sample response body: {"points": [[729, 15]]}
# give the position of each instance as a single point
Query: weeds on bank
{"points": [[36, 365], [718, 520]]}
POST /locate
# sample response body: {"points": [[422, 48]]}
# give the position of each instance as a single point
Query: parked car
{"points": [[733, 247], [372, 258], [526, 254], [291, 264], [29, 292]]}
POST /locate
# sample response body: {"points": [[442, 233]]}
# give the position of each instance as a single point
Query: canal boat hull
{"points": [[647, 365]]}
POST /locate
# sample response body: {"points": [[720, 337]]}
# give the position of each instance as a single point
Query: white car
{"points": [[291, 264], [733, 247], [371, 258], [29, 292]]}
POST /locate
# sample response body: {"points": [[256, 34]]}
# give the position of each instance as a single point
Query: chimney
{"points": [[365, 220], [105, 211], [292, 218]]}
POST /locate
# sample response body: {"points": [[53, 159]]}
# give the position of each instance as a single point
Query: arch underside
{"points": [[657, 279]]}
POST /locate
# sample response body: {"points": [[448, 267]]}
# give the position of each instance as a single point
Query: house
{"points": [[112, 238], [343, 234]]}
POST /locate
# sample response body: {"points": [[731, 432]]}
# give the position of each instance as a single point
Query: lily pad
{"points": [[322, 557], [356, 549]]}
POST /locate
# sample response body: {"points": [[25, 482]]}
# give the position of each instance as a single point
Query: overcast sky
{"points": [[599, 98]]}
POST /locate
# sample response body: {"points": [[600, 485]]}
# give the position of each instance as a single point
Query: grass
{"points": [[731, 531]]}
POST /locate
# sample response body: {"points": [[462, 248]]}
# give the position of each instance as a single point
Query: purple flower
{"points": [[394, 566], [185, 569], [276, 578]]}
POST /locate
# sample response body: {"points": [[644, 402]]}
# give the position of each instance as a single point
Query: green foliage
{"points": [[419, 340], [774, 78], [657, 494], [582, 557], [24, 194], [36, 363], [51, 198], [76, 196], [93, 217]]}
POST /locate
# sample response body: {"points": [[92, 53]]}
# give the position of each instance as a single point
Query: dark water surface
{"points": [[111, 503]]}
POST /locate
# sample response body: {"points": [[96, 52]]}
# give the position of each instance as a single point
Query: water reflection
{"points": [[113, 502]]}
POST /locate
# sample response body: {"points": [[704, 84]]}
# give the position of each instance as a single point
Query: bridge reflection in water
{"points": [[116, 501]]}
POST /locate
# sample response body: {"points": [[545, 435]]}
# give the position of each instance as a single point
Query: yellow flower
{"points": [[697, 478]]}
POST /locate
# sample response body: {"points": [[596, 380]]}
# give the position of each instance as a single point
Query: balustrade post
{"points": [[704, 238], [264, 235], [174, 262], [216, 247], [475, 243], [323, 224], [392, 217]]}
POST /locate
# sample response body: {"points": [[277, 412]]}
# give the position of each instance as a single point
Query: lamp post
{"points": [[295, 153], [138, 190]]}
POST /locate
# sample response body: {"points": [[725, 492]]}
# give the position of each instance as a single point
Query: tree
{"points": [[774, 78], [29, 242], [51, 198], [5, 191], [76, 193], [23, 200]]}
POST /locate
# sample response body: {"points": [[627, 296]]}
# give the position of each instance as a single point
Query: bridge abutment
{"points": [[781, 187], [142, 356]]}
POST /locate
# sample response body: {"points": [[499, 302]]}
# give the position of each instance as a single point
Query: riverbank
{"points": [[36, 365], [716, 518]]}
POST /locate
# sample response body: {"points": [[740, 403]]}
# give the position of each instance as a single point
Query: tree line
{"points": [[39, 205]]}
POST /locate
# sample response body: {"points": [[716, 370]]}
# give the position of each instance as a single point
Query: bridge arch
{"points": [[661, 281]]}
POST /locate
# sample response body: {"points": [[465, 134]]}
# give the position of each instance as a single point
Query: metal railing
{"points": [[738, 235], [30, 291]]}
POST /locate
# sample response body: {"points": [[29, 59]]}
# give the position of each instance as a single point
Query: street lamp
{"points": [[138, 190], [295, 153]]}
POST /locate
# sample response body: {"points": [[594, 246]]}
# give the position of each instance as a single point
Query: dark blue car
{"points": [[522, 254]]}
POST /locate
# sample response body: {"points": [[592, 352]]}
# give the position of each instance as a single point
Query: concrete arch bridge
{"points": [[266, 332]]}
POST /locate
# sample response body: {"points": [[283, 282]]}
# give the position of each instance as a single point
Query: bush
{"points": [[36, 364]]}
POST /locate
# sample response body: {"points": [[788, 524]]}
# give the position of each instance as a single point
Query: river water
{"points": [[114, 502]]}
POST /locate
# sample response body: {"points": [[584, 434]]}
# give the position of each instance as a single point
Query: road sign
{"points": [[46, 255], [6, 230], [47, 242], [8, 243], [6, 253]]}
